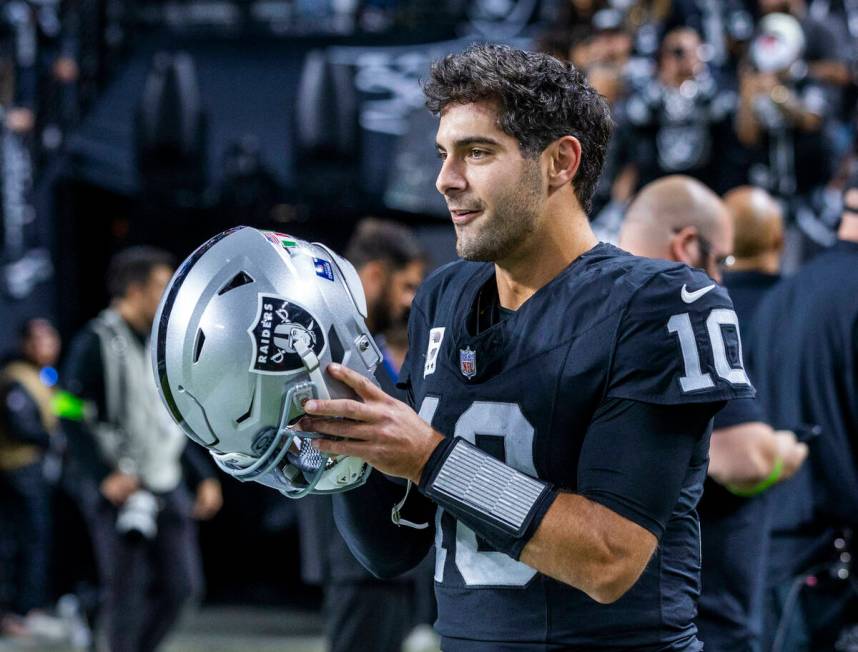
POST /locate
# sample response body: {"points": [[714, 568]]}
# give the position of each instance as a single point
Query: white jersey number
{"points": [[504, 420], [694, 377]]}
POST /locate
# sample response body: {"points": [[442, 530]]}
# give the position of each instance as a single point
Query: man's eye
{"points": [[478, 153], [441, 155]]}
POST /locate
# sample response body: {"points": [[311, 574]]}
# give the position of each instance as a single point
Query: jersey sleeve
{"points": [[363, 519], [677, 342], [742, 410], [637, 458]]}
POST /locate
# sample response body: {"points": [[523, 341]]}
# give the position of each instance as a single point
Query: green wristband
{"points": [[68, 406], [762, 485]]}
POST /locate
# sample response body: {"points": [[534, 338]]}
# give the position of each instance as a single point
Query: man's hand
{"points": [[209, 499], [117, 486], [791, 451], [380, 430]]}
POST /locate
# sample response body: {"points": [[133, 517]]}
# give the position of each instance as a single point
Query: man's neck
{"points": [[548, 252]]}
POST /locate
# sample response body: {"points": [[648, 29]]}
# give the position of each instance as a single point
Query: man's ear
{"points": [[373, 276], [564, 159], [684, 246], [778, 242]]}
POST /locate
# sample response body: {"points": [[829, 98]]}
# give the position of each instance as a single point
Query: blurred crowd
{"points": [[758, 92], [54, 57]]}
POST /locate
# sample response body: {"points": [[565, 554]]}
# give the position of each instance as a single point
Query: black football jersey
{"points": [[610, 326]]}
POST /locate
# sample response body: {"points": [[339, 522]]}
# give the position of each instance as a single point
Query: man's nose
{"points": [[450, 178]]}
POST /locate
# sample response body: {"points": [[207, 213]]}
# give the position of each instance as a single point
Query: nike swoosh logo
{"points": [[691, 297]]}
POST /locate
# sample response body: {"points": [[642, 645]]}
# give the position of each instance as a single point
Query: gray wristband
{"points": [[502, 505]]}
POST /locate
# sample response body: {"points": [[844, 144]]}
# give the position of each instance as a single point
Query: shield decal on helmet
{"points": [[276, 328], [468, 362]]}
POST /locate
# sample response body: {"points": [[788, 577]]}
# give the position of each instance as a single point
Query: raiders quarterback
{"points": [[561, 390]]}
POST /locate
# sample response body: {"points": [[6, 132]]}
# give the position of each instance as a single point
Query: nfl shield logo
{"points": [[468, 362]]}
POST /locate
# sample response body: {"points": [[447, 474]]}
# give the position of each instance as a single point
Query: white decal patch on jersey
{"points": [[436, 336]]}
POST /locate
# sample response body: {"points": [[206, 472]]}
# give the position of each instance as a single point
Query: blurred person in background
{"points": [[18, 70], [758, 244], [677, 218], [647, 21], [391, 265], [610, 43], [781, 118], [724, 26], [28, 429], [616, 185], [677, 116], [129, 454], [805, 362], [360, 610], [57, 42], [611, 71], [576, 13], [826, 44]]}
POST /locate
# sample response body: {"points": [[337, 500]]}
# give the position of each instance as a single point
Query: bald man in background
{"points": [[678, 218], [757, 248]]}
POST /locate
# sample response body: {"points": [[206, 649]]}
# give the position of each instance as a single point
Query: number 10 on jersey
{"points": [[694, 378]]}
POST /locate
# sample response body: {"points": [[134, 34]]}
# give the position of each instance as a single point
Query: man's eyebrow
{"points": [[468, 141]]}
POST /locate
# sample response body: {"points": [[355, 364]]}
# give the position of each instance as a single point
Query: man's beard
{"points": [[379, 316], [514, 218], [383, 317]]}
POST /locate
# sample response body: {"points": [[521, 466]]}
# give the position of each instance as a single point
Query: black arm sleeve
{"points": [[197, 465], [637, 456], [22, 417], [363, 519], [83, 376]]}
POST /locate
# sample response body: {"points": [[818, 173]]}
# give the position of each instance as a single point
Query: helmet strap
{"points": [[397, 518]]}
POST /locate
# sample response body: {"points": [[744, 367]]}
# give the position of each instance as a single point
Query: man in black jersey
{"points": [[805, 356], [565, 390]]}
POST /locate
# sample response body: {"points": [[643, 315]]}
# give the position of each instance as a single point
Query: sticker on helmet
{"points": [[323, 268], [281, 239], [277, 327]]}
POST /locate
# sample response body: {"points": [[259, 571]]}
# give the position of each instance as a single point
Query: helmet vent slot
{"points": [[198, 347], [236, 282], [337, 350], [244, 417]]}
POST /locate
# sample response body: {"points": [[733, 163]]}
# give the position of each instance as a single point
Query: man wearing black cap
{"points": [[805, 365]]}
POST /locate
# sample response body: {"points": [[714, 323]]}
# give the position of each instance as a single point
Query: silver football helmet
{"points": [[243, 334]]}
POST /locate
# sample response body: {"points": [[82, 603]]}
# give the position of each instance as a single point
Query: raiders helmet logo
{"points": [[279, 324]]}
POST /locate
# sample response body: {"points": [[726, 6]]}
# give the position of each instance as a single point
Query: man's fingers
{"points": [[342, 447], [337, 427], [340, 407], [362, 385]]}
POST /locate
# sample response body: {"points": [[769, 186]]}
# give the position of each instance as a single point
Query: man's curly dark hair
{"points": [[540, 99]]}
